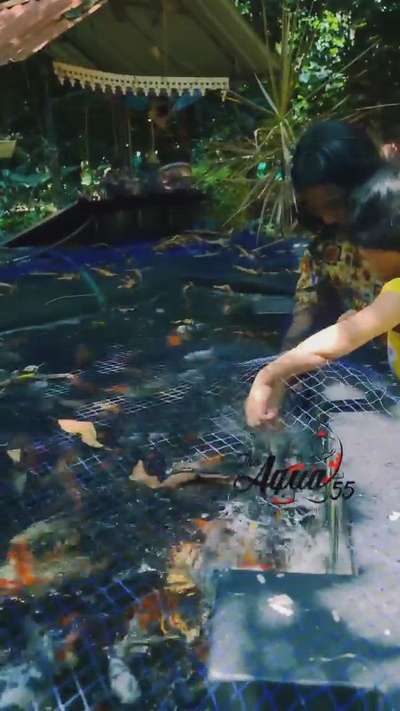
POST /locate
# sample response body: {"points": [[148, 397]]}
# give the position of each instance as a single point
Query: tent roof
{"points": [[196, 38]]}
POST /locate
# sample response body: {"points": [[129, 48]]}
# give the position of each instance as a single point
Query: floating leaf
{"points": [[247, 270], [103, 272], [178, 479], [15, 455], [224, 287], [140, 475], [32, 368], [86, 430], [185, 475], [132, 280]]}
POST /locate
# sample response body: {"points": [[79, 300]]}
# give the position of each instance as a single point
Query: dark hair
{"points": [[375, 211], [333, 153]]}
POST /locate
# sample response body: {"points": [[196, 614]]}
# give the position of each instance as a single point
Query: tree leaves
{"points": [[179, 478], [86, 431]]}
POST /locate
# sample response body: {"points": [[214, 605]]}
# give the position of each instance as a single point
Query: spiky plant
{"points": [[304, 80]]}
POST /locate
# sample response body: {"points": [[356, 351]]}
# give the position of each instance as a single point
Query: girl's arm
{"points": [[331, 343]]}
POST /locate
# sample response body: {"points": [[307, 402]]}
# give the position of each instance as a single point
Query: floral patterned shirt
{"points": [[335, 265]]}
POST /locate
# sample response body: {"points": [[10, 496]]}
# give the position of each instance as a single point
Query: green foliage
{"points": [[92, 178], [226, 190], [305, 79], [334, 35], [244, 7], [26, 198]]}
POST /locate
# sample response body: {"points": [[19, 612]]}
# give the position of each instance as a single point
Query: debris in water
{"points": [[185, 475], [15, 455], [282, 604], [123, 684], [69, 277], [103, 272], [20, 682], [86, 431], [200, 355]]}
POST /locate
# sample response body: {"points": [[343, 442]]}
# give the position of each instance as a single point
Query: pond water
{"points": [[122, 434]]}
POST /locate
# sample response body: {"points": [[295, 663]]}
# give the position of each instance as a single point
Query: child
{"points": [[376, 231]]}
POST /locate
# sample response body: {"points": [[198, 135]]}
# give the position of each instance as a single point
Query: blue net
{"points": [[138, 566], [120, 590]]}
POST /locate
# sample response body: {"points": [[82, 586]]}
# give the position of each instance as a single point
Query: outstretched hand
{"points": [[263, 404]]}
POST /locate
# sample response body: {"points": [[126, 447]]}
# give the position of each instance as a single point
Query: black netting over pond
{"points": [[116, 538]]}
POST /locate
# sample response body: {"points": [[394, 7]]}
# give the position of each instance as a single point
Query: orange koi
{"points": [[174, 340], [24, 562], [251, 561], [10, 585], [156, 607], [67, 620], [203, 525]]}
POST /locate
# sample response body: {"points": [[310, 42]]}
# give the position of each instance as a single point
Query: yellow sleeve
{"points": [[393, 286]]}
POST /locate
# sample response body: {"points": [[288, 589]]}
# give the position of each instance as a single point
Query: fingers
{"points": [[258, 420]]}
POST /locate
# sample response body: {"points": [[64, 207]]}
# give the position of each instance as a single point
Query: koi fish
{"points": [[251, 561], [65, 654], [22, 558]]}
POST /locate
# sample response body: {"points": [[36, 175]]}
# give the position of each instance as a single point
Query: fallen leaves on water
{"points": [[182, 476], [86, 430], [245, 253], [32, 368], [103, 272], [43, 274], [69, 277], [223, 287], [131, 280], [140, 475], [21, 376], [126, 310], [246, 270], [15, 455]]}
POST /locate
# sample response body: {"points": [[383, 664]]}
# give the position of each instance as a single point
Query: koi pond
{"points": [[140, 566]]}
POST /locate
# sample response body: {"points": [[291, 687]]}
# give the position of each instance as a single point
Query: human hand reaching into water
{"points": [[264, 402]]}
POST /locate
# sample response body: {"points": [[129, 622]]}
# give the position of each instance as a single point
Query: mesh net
{"points": [[107, 585]]}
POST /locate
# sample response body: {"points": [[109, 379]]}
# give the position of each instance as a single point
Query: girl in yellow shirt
{"points": [[376, 231]]}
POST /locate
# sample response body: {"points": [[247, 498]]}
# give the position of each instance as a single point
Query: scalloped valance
{"points": [[107, 81]]}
